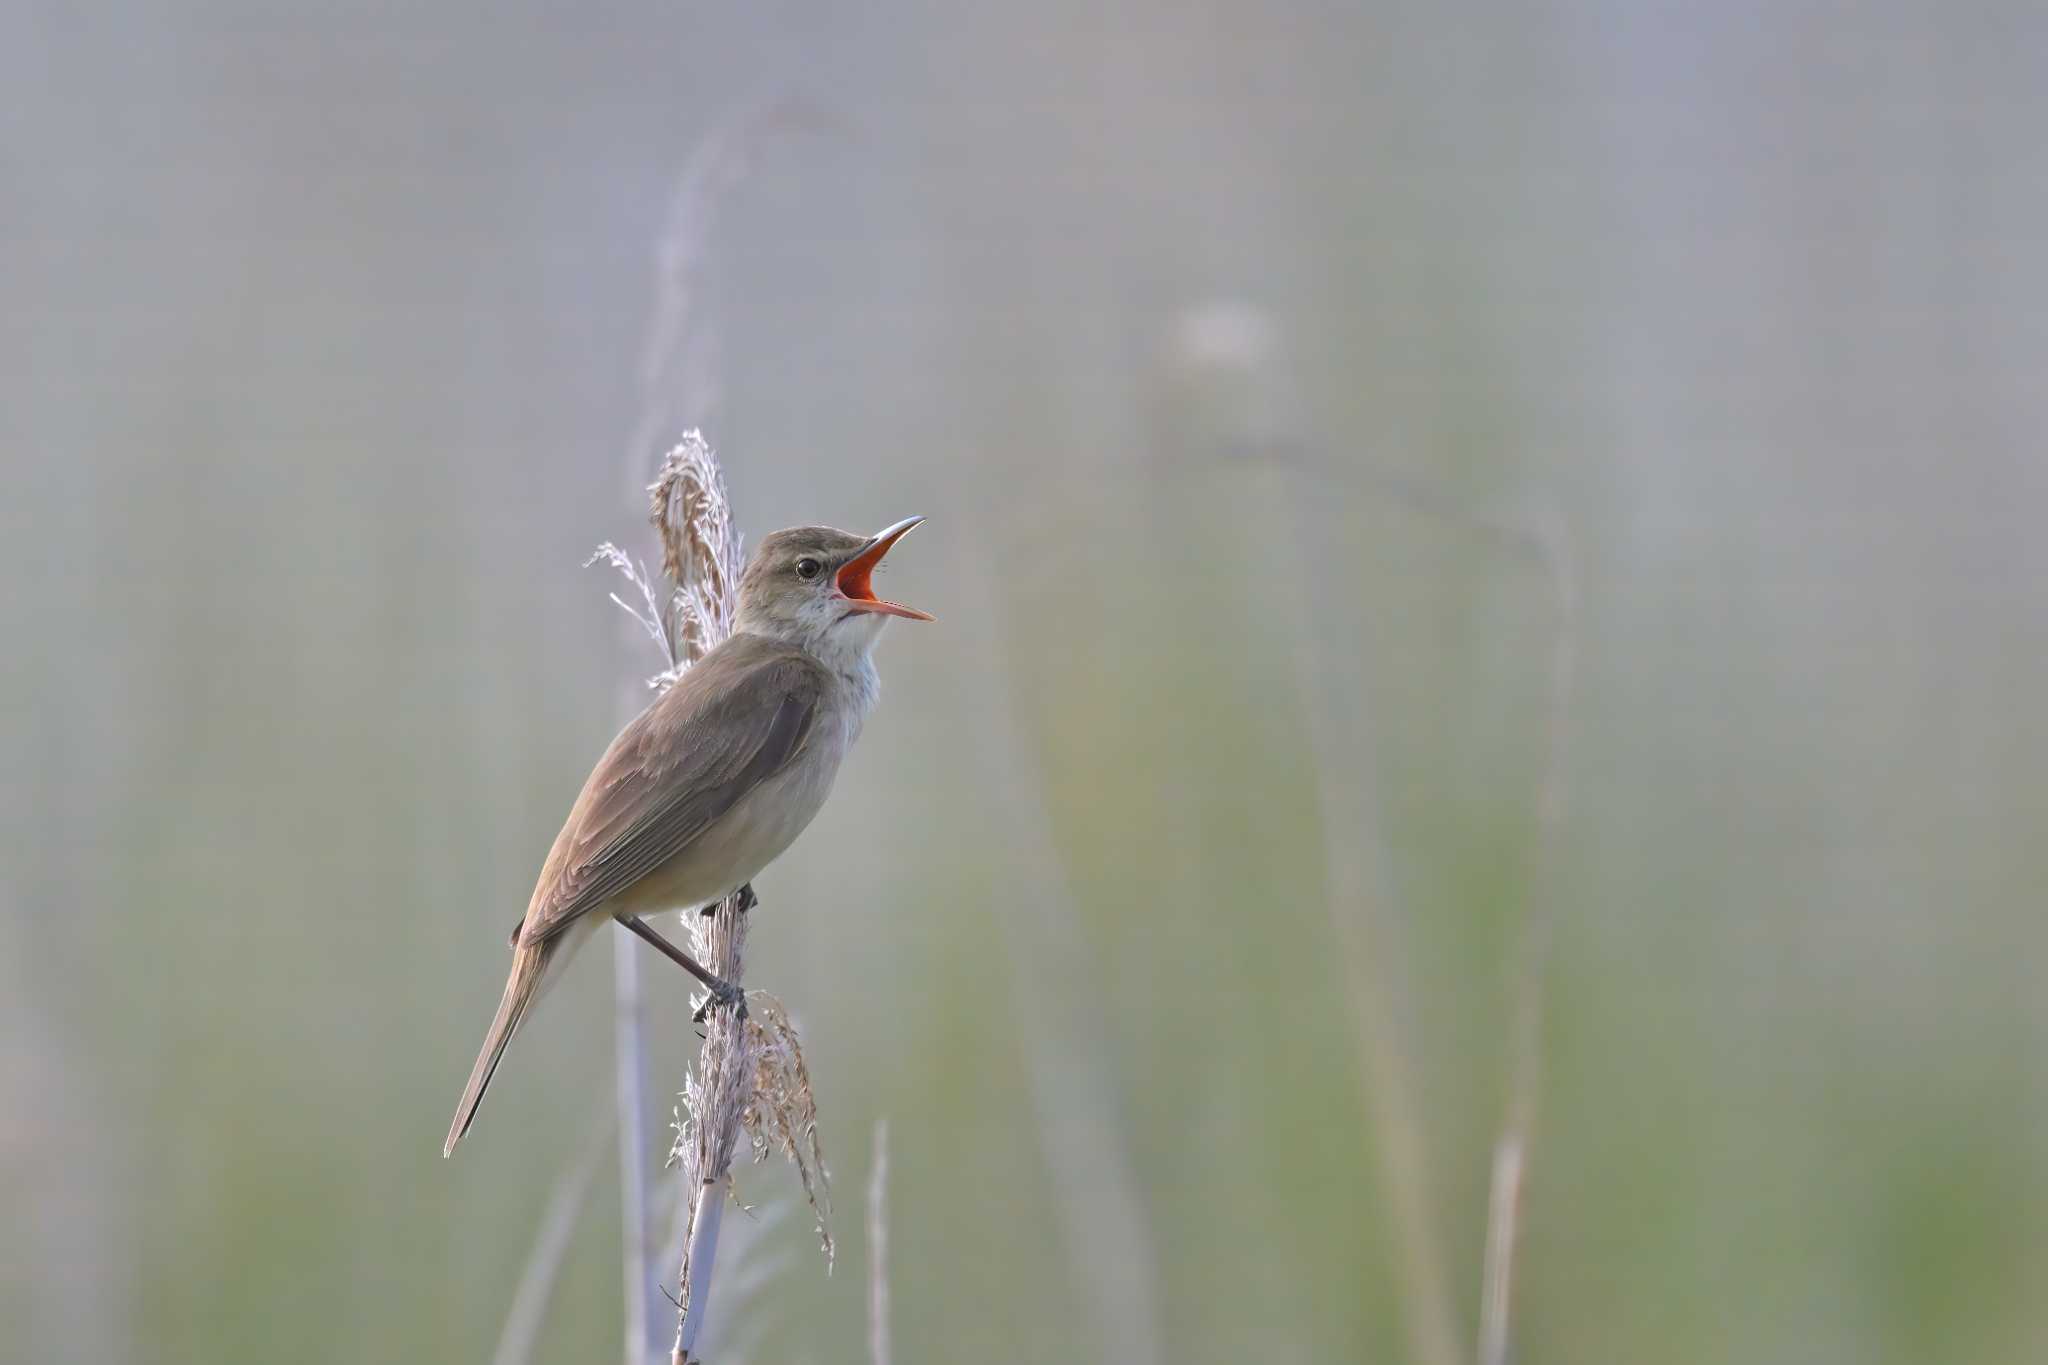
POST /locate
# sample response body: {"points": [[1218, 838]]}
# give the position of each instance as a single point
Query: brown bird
{"points": [[712, 782]]}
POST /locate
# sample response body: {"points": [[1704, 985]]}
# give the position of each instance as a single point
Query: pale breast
{"points": [[758, 828]]}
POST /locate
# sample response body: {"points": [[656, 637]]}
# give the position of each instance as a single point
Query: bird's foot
{"points": [[744, 898], [724, 995]]}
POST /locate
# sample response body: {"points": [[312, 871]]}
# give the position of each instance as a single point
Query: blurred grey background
{"points": [[322, 326]]}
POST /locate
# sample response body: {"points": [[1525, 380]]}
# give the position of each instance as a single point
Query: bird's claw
{"points": [[725, 995], [743, 901]]}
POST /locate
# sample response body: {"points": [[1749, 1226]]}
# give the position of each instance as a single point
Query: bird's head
{"points": [[812, 586]]}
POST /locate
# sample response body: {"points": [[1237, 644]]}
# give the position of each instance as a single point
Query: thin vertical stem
{"points": [[521, 1331], [701, 553], [725, 1082], [1544, 540], [878, 1249], [1359, 896], [1510, 1156], [1075, 1092], [630, 1099]]}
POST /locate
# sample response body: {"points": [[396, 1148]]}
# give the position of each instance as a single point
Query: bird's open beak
{"points": [[855, 575]]}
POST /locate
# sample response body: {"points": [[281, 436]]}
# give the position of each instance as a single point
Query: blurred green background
{"points": [[323, 325]]}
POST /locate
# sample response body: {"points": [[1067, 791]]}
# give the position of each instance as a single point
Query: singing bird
{"points": [[712, 782]]}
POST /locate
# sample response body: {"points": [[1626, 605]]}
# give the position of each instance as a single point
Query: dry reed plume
{"points": [[750, 1076]]}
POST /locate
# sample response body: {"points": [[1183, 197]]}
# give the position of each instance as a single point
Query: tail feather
{"points": [[530, 964]]}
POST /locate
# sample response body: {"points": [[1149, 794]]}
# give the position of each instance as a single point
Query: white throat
{"points": [[846, 649], [846, 646], [843, 642]]}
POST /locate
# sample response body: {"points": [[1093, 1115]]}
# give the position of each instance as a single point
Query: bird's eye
{"points": [[808, 568]]}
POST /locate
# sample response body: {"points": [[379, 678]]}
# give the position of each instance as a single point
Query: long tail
{"points": [[530, 964]]}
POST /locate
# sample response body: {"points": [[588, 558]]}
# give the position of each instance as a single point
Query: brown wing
{"points": [[732, 721]]}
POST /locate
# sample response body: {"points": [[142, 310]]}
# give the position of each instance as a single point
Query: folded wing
{"points": [[732, 722]]}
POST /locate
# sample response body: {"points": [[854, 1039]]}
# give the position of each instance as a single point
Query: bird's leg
{"points": [[744, 896], [722, 992]]}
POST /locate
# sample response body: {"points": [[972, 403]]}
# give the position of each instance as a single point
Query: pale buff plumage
{"points": [[714, 780]]}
